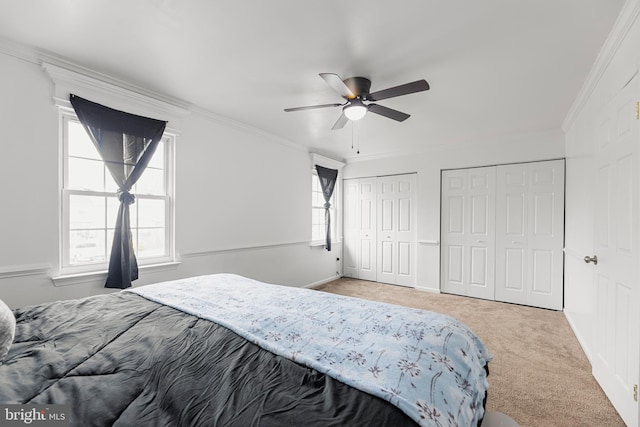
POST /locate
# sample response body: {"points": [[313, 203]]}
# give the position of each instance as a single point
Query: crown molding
{"points": [[69, 77], [243, 127], [18, 50], [319, 159], [99, 88], [626, 19]]}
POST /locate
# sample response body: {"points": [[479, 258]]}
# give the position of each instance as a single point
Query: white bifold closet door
{"points": [[359, 250], [380, 234], [397, 233], [530, 234], [468, 232], [502, 233]]}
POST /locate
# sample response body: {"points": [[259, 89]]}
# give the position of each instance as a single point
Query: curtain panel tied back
{"points": [[327, 179], [126, 142]]}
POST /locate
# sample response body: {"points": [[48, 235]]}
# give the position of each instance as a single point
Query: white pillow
{"points": [[7, 329]]}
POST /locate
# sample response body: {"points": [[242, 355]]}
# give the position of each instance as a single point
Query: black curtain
{"points": [[328, 179], [126, 143]]}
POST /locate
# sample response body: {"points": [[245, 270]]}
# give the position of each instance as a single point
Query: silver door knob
{"points": [[593, 259]]}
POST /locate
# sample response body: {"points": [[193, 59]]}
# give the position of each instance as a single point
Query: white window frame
{"points": [[334, 209], [65, 266], [336, 205]]}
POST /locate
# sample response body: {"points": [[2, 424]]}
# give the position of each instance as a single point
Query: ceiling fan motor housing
{"points": [[360, 86]]}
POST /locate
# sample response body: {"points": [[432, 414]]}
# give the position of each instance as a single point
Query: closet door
{"points": [[468, 232], [367, 232], [530, 234], [396, 231], [360, 228]]}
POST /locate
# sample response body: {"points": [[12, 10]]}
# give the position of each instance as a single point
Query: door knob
{"points": [[593, 259]]}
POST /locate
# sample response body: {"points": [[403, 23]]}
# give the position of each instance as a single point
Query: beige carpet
{"points": [[539, 375]]}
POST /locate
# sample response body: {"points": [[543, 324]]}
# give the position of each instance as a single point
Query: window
{"points": [[317, 211], [90, 204]]}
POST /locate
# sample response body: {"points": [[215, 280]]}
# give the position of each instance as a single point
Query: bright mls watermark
{"points": [[37, 415]]}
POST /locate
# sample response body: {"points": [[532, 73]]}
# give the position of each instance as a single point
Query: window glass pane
{"points": [[86, 212], [317, 232], [317, 224], [150, 212], [110, 185], [317, 216], [151, 242], [87, 246], [80, 144], [86, 174], [334, 221], [157, 161], [113, 204], [151, 182], [109, 242]]}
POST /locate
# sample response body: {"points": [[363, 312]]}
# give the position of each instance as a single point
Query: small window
{"points": [[317, 212], [90, 204]]}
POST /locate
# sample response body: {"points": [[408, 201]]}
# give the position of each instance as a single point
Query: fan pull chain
{"points": [[353, 132], [355, 136]]}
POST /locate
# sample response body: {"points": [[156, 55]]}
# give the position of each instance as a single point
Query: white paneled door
{"points": [[530, 234], [360, 228], [396, 231], [502, 230], [617, 328], [468, 232]]}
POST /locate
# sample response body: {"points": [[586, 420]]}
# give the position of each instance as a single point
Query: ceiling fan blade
{"points": [[396, 115], [405, 89], [339, 124], [337, 84], [311, 107]]}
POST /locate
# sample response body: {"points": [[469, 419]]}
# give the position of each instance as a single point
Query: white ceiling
{"points": [[496, 67]]}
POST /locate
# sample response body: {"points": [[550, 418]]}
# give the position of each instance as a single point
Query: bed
{"points": [[227, 350]]}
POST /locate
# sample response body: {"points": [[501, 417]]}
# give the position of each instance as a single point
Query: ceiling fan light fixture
{"points": [[356, 90], [355, 110]]}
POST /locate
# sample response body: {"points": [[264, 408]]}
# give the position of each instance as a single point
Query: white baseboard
{"points": [[581, 339], [425, 289], [321, 282]]}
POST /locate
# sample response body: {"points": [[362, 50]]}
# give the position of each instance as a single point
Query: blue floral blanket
{"points": [[429, 365]]}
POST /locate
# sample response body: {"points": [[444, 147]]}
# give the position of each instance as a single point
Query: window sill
{"points": [[93, 276]]}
